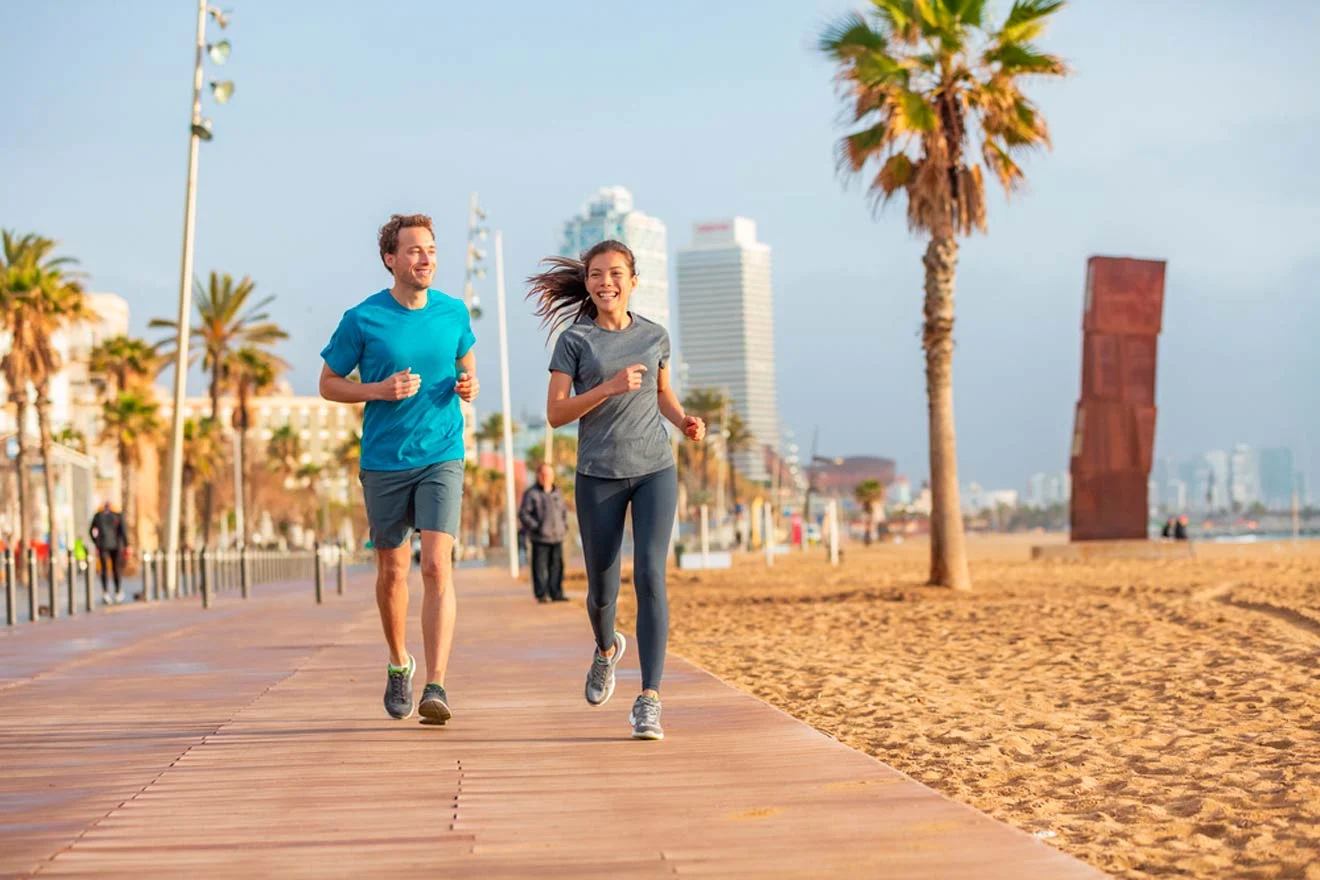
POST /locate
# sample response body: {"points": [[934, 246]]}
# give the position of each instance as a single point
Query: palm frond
{"points": [[849, 37], [1021, 59], [1027, 19]]}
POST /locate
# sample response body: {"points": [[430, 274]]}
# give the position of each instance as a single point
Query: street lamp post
{"points": [[510, 506], [200, 131]]}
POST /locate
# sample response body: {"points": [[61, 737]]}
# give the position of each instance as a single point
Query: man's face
{"points": [[413, 262], [545, 475]]}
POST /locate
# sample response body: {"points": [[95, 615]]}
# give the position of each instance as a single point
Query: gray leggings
{"points": [[601, 505]]}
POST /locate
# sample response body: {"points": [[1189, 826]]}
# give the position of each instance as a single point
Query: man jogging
{"points": [[544, 518], [107, 531], [412, 348]]}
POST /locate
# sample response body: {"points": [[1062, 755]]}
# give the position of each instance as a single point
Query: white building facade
{"points": [[726, 324]]}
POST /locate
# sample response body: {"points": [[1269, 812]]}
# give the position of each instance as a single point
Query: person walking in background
{"points": [[610, 371], [107, 531], [412, 348], [1169, 525], [544, 519], [1180, 529]]}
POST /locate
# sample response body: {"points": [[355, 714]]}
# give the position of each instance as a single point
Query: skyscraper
{"points": [[1276, 477], [610, 214], [726, 323]]}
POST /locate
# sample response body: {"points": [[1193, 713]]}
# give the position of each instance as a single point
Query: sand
{"points": [[1152, 718]]}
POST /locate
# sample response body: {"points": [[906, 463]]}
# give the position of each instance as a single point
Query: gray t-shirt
{"points": [[625, 436]]}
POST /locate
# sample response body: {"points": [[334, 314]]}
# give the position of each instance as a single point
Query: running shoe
{"points": [[600, 678]]}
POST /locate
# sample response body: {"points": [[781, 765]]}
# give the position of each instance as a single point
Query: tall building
{"points": [[726, 322], [1213, 489], [1277, 475], [1243, 477], [610, 214]]}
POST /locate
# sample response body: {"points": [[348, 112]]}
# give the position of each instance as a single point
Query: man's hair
{"points": [[389, 233]]}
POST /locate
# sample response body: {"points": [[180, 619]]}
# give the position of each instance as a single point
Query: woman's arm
{"points": [[670, 407], [562, 406]]}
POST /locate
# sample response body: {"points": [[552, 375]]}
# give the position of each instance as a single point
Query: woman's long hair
{"points": [[560, 293]]}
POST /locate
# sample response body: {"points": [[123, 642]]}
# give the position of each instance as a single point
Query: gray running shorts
{"points": [[426, 498]]}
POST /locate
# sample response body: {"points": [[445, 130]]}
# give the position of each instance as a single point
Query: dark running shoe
{"points": [[434, 707], [398, 690], [645, 718]]}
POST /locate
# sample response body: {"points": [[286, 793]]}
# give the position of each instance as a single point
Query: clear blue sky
{"points": [[1180, 137]]}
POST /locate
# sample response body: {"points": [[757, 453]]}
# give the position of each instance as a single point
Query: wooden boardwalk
{"points": [[249, 740]]}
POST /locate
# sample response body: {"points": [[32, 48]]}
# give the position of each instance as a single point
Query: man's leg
{"points": [[540, 570], [439, 606], [392, 599], [555, 586], [116, 560], [103, 563], [438, 498]]}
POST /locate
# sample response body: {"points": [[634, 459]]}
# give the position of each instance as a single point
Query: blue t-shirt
{"points": [[380, 337]]}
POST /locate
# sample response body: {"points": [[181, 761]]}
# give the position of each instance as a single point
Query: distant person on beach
{"points": [[412, 348], [1169, 525], [610, 369], [544, 519], [107, 531], [1180, 530]]}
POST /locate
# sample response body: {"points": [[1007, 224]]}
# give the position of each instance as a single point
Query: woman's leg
{"points": [[655, 499], [601, 505]]}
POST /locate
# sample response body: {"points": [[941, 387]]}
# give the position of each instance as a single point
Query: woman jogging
{"points": [[610, 368]]}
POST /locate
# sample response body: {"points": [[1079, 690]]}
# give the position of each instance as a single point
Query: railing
{"points": [[53, 585]]}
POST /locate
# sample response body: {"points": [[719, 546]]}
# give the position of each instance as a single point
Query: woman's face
{"points": [[610, 282]]}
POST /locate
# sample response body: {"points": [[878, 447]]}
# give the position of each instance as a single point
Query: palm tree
{"points": [[706, 404], [227, 321], [284, 453], [203, 451], [869, 494], [492, 431], [42, 297], [131, 418], [249, 371], [125, 362], [492, 501], [737, 438], [72, 438], [18, 277], [919, 77]]}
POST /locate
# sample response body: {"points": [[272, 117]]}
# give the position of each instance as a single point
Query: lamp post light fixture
{"points": [[200, 131], [472, 270]]}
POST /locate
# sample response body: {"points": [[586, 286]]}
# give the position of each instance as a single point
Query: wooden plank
{"points": [[255, 745]]}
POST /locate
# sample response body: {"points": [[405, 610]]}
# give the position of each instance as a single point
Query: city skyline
{"points": [[312, 155]]}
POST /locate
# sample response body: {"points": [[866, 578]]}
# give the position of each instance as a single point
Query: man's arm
{"points": [[467, 386], [336, 388], [525, 512]]}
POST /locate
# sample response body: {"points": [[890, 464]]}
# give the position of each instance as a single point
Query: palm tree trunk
{"points": [[242, 480], [948, 552], [43, 429], [189, 511], [208, 492], [21, 472], [128, 503]]}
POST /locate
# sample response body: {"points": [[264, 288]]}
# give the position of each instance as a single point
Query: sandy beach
{"points": [[1154, 718]]}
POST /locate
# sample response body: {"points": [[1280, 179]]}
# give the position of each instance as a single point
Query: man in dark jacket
{"points": [[544, 518], [111, 541]]}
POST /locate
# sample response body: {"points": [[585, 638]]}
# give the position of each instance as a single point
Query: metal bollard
{"points": [[316, 573], [11, 594], [32, 583], [54, 590], [204, 580], [87, 585], [73, 592], [339, 568], [243, 570], [190, 560]]}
